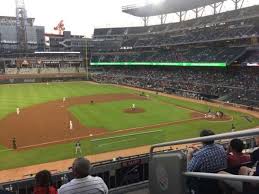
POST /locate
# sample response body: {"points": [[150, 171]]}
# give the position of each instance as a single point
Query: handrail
{"points": [[245, 133], [223, 177]]}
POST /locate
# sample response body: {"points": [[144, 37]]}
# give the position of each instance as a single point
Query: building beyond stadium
{"points": [[8, 35]]}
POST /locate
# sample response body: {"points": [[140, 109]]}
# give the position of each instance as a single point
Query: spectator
{"points": [[44, 183], [210, 158], [250, 172], [255, 154], [235, 155], [254, 171], [255, 159], [83, 182], [235, 159]]}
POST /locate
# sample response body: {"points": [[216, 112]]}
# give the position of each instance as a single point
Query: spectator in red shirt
{"points": [[44, 183], [235, 156]]}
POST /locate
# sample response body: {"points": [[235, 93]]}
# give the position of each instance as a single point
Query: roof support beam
{"points": [[163, 18], [182, 15], [217, 7], [198, 12], [238, 4], [145, 20]]}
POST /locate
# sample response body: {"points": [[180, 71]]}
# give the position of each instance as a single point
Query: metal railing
{"points": [[214, 176], [245, 133], [223, 177]]}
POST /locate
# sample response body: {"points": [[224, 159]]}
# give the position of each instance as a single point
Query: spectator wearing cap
{"points": [[210, 158], [83, 182]]}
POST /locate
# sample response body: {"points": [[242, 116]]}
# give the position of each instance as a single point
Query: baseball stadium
{"points": [[165, 108]]}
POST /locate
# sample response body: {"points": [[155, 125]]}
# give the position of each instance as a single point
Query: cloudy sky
{"points": [[82, 16]]}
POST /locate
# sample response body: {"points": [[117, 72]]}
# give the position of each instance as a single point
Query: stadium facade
{"points": [[66, 42]]}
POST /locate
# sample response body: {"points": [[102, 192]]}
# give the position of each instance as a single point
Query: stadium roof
{"points": [[166, 7]]}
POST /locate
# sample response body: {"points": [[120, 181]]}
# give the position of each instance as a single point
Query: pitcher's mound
{"points": [[136, 110]]}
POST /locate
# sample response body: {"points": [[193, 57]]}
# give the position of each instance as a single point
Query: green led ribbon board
{"points": [[158, 64]]}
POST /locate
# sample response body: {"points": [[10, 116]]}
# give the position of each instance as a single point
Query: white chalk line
{"points": [[125, 140], [119, 131], [134, 134], [105, 133], [59, 141]]}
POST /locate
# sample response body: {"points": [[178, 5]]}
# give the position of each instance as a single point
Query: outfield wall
{"points": [[14, 79]]}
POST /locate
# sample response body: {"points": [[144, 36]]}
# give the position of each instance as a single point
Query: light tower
{"points": [[21, 23]]}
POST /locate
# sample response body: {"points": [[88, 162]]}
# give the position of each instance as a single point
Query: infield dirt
{"points": [[48, 123]]}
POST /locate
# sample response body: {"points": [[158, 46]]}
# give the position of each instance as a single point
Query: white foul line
{"points": [[125, 140], [126, 135]]}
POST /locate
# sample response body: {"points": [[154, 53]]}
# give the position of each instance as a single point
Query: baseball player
{"points": [[133, 106], [78, 147], [14, 143], [17, 111], [64, 99], [70, 125]]}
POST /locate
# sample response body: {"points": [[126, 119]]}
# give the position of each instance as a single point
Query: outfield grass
{"points": [[111, 116], [24, 95]]}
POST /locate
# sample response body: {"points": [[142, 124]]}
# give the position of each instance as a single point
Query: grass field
{"points": [[110, 116], [155, 113]]}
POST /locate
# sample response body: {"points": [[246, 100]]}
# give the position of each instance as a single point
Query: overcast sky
{"points": [[82, 16]]}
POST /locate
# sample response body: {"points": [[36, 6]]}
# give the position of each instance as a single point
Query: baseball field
{"points": [[103, 120]]}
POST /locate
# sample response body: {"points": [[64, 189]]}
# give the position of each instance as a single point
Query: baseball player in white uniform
{"points": [[70, 125], [64, 99], [17, 111]]}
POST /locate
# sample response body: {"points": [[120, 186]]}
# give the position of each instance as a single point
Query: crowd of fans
{"points": [[182, 54], [250, 58], [43, 70], [228, 31], [193, 23], [226, 26], [235, 85]]}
